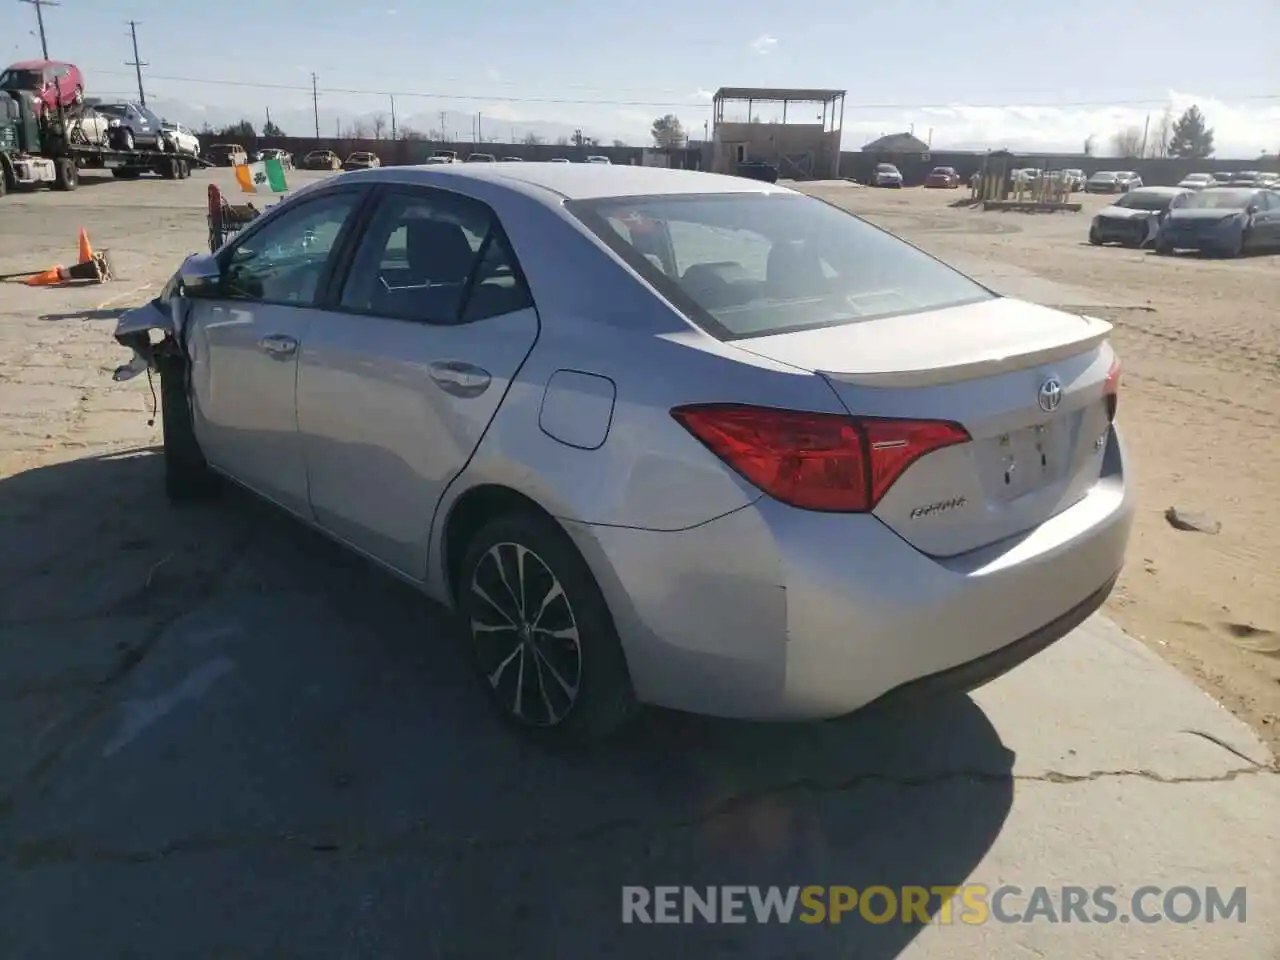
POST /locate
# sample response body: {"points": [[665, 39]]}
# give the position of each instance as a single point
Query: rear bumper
{"points": [[781, 614]]}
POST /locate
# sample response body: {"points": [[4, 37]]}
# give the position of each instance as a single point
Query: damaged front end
{"points": [[157, 328]]}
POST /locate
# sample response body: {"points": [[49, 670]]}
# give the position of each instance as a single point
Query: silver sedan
{"points": [[657, 436]]}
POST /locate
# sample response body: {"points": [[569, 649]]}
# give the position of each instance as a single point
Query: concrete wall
{"points": [[859, 165], [798, 150]]}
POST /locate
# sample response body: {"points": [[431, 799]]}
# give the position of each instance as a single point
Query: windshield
{"points": [[1220, 200], [886, 168], [112, 109], [751, 264], [1145, 201], [1104, 175], [1198, 177], [21, 80], [942, 171]]}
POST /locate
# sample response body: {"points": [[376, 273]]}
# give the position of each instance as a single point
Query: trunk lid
{"points": [[987, 366]]}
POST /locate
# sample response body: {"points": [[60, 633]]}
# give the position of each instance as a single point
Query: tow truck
{"points": [[39, 145]]}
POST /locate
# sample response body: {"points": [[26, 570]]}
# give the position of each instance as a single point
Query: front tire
{"points": [[187, 476], [543, 643]]}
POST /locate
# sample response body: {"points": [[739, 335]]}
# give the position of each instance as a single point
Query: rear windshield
{"points": [[755, 264], [1218, 199], [1145, 201]]}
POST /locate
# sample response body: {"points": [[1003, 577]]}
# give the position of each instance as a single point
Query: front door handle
{"points": [[459, 378], [278, 345]]}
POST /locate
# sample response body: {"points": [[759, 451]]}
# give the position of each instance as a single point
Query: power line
{"points": [[137, 63], [40, 5], [315, 91]]}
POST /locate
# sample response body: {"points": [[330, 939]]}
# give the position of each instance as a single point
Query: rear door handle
{"points": [[460, 378], [278, 345]]}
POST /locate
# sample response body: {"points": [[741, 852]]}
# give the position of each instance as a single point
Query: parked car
{"points": [[321, 160], [226, 155], [361, 160], [942, 177], [1104, 181], [513, 159], [51, 82], [887, 175], [1268, 181], [443, 156], [559, 160], [1128, 180], [928, 486], [133, 125], [597, 159], [1135, 218], [758, 170], [274, 153], [1224, 220], [481, 158], [1197, 181], [1223, 177], [1075, 178], [1027, 174], [1244, 178]]}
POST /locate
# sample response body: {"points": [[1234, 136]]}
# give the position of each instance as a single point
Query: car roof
{"points": [[1157, 191], [577, 181], [37, 64]]}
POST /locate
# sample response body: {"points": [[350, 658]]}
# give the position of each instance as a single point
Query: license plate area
{"points": [[1027, 459]]}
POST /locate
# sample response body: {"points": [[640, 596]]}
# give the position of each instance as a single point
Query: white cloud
{"points": [[702, 94], [493, 74], [1242, 129], [764, 44]]}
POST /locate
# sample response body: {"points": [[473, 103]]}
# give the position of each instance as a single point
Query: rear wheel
{"points": [[1094, 238], [187, 476], [126, 173], [543, 643]]}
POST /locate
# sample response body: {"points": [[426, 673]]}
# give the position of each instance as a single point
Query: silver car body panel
{"points": [[726, 601]]}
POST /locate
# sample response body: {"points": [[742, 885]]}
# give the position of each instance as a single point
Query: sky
{"points": [[961, 75]]}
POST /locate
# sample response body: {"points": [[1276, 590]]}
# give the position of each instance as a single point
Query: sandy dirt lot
{"points": [[222, 736]]}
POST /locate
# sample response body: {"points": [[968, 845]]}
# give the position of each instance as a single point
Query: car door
{"points": [[398, 383], [244, 341], [1269, 217]]}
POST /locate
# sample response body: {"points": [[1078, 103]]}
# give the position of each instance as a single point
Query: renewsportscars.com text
{"points": [[972, 904]]}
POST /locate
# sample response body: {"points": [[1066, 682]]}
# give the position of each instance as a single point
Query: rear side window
{"points": [[755, 264], [434, 257]]}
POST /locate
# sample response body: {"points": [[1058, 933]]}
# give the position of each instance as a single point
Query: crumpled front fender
{"points": [[167, 315]]}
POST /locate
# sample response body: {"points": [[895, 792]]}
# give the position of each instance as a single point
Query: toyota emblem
{"points": [[1050, 395]]}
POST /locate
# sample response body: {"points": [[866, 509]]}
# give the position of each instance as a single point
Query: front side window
{"points": [[1145, 201], [755, 264], [284, 260], [434, 257], [21, 80]]}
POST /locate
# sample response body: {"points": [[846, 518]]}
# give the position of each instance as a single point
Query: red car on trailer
{"points": [[51, 82]]}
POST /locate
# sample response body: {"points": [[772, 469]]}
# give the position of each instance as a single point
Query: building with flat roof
{"points": [[795, 130]]}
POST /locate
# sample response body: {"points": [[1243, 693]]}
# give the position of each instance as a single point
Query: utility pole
{"points": [[1145, 128], [268, 126], [393, 115], [444, 136], [315, 103], [136, 63], [40, 5]]}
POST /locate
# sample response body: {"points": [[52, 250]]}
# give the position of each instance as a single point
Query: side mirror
{"points": [[201, 276]]}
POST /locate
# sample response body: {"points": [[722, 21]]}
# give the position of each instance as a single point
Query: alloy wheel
{"points": [[525, 635]]}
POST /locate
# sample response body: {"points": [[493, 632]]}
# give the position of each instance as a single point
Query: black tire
{"points": [[169, 168], [65, 177], [126, 138], [126, 173], [187, 476], [1164, 249], [4, 179], [595, 667], [1095, 239]]}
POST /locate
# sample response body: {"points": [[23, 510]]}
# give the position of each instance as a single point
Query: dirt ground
{"points": [[1200, 411], [1200, 400]]}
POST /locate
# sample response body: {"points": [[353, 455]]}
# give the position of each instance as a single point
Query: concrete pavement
{"points": [[221, 736]]}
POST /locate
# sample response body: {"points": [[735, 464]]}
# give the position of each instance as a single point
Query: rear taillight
{"points": [[1111, 389], [816, 461]]}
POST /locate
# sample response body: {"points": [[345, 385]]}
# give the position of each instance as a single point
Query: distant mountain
{"points": [[459, 127]]}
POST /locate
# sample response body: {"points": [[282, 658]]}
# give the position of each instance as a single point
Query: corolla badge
{"points": [[1050, 395]]}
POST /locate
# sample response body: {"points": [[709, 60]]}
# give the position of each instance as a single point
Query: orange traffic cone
{"points": [[86, 251], [54, 275]]}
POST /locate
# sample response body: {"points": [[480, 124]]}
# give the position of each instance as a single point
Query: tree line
{"points": [[377, 127], [1188, 137]]}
